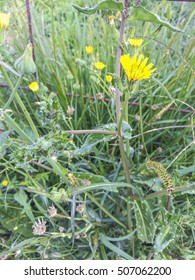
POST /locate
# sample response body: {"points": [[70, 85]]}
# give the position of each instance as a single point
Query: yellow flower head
{"points": [[136, 68], [111, 19], [135, 42], [109, 78], [34, 86], [99, 65], [4, 183], [4, 20], [89, 49]]}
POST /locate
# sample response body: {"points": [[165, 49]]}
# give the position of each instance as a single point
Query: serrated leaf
{"points": [[141, 13], [144, 221], [103, 5], [114, 248], [93, 139], [163, 239]]}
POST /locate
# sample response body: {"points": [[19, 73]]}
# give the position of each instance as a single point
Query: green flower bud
{"points": [[25, 64]]}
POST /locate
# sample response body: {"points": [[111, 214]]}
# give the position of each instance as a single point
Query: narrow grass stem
{"points": [[13, 93], [21, 104]]}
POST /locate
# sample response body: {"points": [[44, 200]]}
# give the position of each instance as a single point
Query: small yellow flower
{"points": [[99, 65], [34, 86], [109, 78], [136, 42], [89, 49], [4, 183], [111, 19], [136, 68], [4, 20]]}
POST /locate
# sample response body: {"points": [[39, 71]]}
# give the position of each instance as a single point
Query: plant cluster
{"points": [[97, 130]]}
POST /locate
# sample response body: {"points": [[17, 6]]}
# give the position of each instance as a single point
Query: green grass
{"points": [[38, 155]]}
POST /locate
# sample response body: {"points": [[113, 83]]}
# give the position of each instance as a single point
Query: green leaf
{"points": [[90, 176], [126, 129], [144, 221], [114, 248], [21, 198], [93, 139], [163, 239], [3, 138], [141, 13], [103, 5], [186, 170], [59, 169]]}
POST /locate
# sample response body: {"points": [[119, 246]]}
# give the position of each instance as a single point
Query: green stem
{"points": [[124, 157], [13, 93]]}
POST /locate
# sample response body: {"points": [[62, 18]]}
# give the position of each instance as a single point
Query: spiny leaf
{"points": [[144, 221], [141, 13], [163, 239], [103, 5]]}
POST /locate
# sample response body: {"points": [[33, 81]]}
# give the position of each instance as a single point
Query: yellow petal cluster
{"points": [[108, 78], [34, 86], [4, 20], [4, 183], [136, 68], [136, 42], [99, 65], [89, 49]]}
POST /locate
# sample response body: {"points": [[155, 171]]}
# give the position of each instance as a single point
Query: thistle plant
{"points": [[84, 138]]}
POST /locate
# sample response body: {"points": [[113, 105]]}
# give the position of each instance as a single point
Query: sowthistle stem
{"points": [[118, 111]]}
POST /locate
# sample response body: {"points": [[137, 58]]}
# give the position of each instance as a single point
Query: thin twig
{"points": [[185, 111], [90, 131]]}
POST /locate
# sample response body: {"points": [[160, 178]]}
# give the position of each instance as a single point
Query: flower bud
{"points": [[25, 64], [4, 20]]}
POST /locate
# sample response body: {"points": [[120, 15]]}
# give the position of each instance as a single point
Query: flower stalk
{"points": [[119, 116]]}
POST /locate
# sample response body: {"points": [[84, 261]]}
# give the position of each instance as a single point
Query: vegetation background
{"points": [[74, 183]]}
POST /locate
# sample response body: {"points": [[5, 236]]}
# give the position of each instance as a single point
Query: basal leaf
{"points": [[144, 221], [141, 13], [103, 5]]}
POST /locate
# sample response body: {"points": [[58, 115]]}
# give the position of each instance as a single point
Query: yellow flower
{"points": [[4, 20], [111, 19], [89, 49], [99, 65], [135, 42], [4, 183], [136, 68], [34, 86], [109, 78]]}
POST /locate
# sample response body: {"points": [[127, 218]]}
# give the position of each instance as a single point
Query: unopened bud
{"points": [[25, 64]]}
